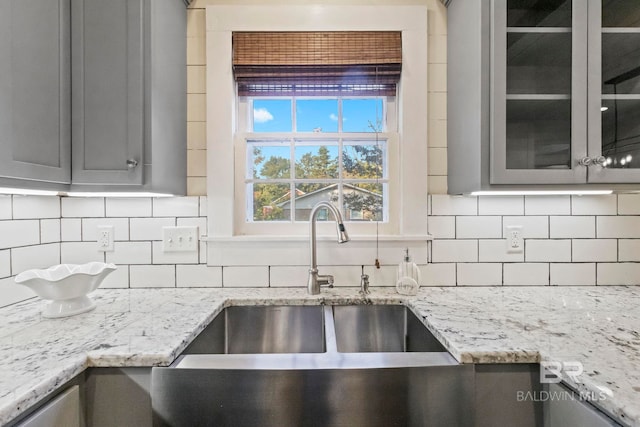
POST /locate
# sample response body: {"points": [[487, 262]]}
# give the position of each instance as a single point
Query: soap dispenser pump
{"points": [[408, 277]]}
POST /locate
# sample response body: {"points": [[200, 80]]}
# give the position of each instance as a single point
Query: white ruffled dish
{"points": [[66, 286]]}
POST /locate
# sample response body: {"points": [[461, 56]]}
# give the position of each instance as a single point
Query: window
{"points": [[300, 151], [233, 240]]}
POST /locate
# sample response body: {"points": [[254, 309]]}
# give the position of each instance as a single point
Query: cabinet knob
{"points": [[132, 163], [590, 161]]}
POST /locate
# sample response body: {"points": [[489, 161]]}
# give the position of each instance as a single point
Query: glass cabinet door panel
{"points": [[621, 133], [533, 13], [539, 63], [538, 134], [620, 13], [621, 63]]}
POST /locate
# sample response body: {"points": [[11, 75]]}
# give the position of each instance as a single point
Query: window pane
{"points": [[272, 115], [316, 161], [362, 115], [363, 202], [317, 115], [533, 13], [269, 201], [363, 161], [308, 194], [268, 161]]}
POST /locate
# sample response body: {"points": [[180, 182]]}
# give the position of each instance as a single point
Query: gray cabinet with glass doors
{"points": [[563, 97]]}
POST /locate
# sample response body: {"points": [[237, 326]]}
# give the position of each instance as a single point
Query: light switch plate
{"points": [[179, 239]]}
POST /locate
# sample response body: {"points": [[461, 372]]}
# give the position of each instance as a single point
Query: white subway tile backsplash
{"points": [[618, 227], [152, 276], [119, 278], [49, 230], [454, 251], [29, 207], [629, 250], [201, 223], [594, 250], [90, 228], [71, 229], [203, 205], [628, 204], [547, 205], [533, 227], [621, 273], [162, 257], [82, 207], [576, 227], [5, 263], [442, 227], [573, 274], [5, 206], [176, 206], [479, 274], [443, 274], [594, 205], [19, 233], [344, 275], [547, 250], [128, 207], [290, 276], [495, 250], [198, 276], [442, 204], [149, 228], [80, 252], [384, 276], [40, 256], [246, 276], [478, 227], [526, 274], [501, 205], [203, 252], [130, 253]]}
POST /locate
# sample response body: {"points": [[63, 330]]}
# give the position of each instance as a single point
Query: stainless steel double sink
{"points": [[343, 365], [315, 329]]}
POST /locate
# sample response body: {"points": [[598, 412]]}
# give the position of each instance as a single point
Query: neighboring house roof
{"points": [[331, 187]]}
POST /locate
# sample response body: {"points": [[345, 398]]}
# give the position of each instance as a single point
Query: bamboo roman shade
{"points": [[317, 63]]}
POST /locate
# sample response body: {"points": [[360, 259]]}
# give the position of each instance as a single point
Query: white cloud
{"points": [[333, 117], [262, 115]]}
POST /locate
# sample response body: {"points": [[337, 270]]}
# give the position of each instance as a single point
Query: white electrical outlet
{"points": [[105, 238], [179, 239], [515, 242]]}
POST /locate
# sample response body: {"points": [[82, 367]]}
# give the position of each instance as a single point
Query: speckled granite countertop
{"points": [[598, 327]]}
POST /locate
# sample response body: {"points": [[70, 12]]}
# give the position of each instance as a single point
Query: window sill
{"points": [[264, 238]]}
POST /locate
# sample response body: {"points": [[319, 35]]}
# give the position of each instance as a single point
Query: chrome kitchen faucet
{"points": [[316, 280]]}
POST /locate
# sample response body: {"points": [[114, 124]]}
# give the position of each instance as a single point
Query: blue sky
{"points": [[274, 115]]}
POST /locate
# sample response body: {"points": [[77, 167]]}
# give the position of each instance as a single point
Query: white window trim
{"points": [[225, 245]]}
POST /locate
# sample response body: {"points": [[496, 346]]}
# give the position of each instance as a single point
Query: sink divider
{"points": [[330, 330]]}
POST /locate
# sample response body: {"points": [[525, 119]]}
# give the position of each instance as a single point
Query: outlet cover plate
{"points": [[105, 238], [515, 242], [179, 239]]}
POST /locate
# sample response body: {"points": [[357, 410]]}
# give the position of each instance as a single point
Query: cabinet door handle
{"points": [[132, 163]]}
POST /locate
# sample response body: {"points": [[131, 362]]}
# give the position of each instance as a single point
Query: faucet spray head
{"points": [[343, 236]]}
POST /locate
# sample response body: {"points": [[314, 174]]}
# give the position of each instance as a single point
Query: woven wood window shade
{"points": [[317, 63]]}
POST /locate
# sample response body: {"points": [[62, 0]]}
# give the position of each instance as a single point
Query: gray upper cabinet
{"points": [[108, 91], [35, 90], [543, 93], [93, 95], [129, 95]]}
